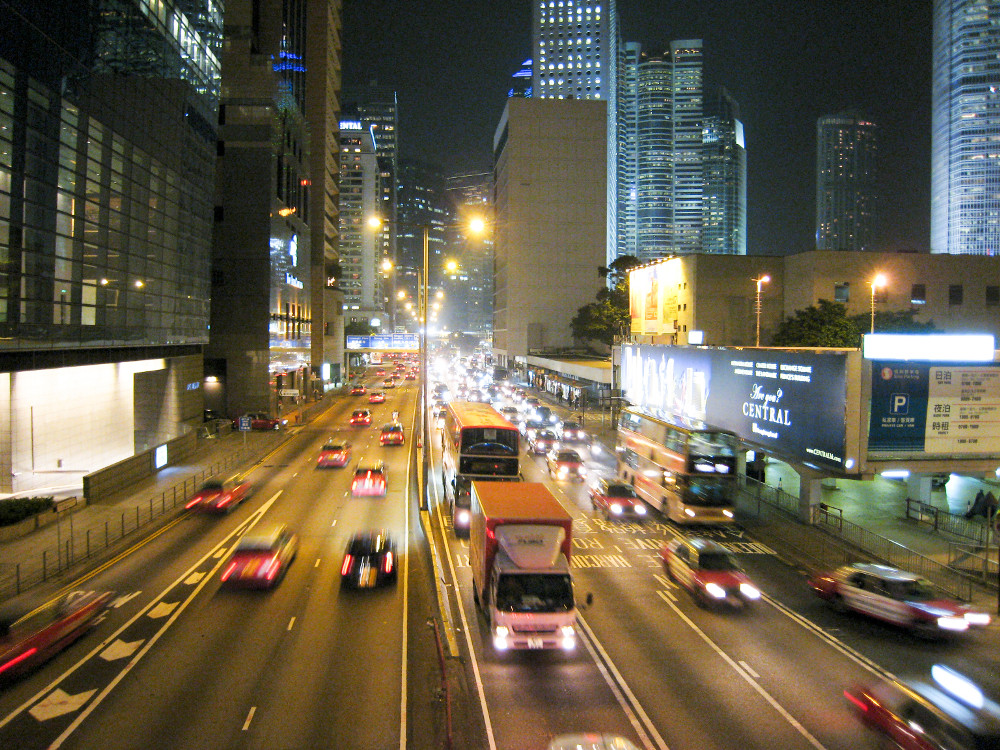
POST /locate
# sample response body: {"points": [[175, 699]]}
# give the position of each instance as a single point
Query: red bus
{"points": [[478, 443]]}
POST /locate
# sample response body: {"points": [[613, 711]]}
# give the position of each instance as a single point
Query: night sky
{"points": [[787, 63]]}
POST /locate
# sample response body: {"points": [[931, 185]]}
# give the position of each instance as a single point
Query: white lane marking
{"points": [[246, 724], [749, 671], [618, 686], [162, 609], [291, 623], [194, 578], [59, 703], [317, 563], [124, 599], [746, 676], [120, 649], [254, 519], [334, 520]]}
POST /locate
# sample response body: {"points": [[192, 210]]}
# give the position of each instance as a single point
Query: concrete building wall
{"points": [[551, 220]]}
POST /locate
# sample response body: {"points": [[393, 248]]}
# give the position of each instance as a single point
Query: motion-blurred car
{"points": [[335, 454], [949, 712], [410, 376], [357, 390], [361, 418], [509, 413], [543, 442], [261, 559], [392, 434], [616, 499], [572, 432], [707, 570], [30, 636], [376, 397], [530, 427], [369, 561], [590, 741], [565, 464], [219, 495], [389, 383], [369, 479], [897, 597], [259, 421]]}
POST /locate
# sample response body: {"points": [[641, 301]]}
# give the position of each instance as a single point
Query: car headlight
{"points": [[500, 638], [749, 591], [640, 510], [568, 640], [715, 591], [727, 513], [955, 624], [562, 471], [689, 513], [462, 517], [979, 619], [616, 509]]}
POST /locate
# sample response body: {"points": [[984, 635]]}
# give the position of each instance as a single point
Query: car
{"points": [[392, 434], [897, 597], [370, 560], [509, 413], [369, 479], [219, 495], [261, 559], [616, 499], [389, 383], [546, 415], [358, 390], [543, 442], [572, 432], [590, 741], [707, 570], [31, 635], [361, 418], [335, 453], [947, 711], [438, 416], [376, 397], [565, 464], [530, 427], [410, 376], [260, 421]]}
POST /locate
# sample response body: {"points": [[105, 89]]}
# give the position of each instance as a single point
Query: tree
{"points": [[827, 324], [359, 328], [608, 316]]}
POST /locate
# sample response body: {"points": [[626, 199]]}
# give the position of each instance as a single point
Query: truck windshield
{"points": [[529, 592]]}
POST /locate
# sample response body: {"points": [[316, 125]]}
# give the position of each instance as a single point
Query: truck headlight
{"points": [[715, 591]]}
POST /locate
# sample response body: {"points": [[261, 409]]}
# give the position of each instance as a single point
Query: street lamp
{"points": [[877, 283], [761, 280]]}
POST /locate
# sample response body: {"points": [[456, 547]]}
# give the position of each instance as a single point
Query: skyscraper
{"points": [[965, 126], [654, 157], [569, 42], [846, 189], [724, 163], [360, 252]]}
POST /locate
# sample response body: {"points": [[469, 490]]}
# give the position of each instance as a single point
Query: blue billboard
{"points": [[385, 341]]}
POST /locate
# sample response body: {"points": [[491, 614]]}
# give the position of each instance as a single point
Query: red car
{"points": [[259, 421], [616, 500], [217, 496], [708, 571], [260, 560], [30, 636], [335, 453], [410, 376], [895, 596], [949, 711], [392, 434], [361, 418], [376, 397], [565, 464], [369, 480], [357, 390]]}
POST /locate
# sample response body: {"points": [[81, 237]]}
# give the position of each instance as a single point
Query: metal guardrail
{"points": [[975, 529], [75, 545], [836, 541]]}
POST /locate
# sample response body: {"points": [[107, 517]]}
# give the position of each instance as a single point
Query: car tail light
{"points": [[18, 659], [193, 502], [861, 704], [346, 567], [229, 571], [272, 567], [387, 563], [225, 500]]}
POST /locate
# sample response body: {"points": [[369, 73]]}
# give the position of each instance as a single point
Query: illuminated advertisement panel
{"points": [[653, 303], [919, 407], [792, 404]]}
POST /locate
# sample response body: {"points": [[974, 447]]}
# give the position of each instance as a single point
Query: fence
{"points": [[74, 545], [830, 540], [975, 529]]}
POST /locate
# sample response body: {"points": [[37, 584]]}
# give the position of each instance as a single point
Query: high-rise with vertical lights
{"points": [[846, 183], [359, 250], [569, 41], [724, 164], [965, 128]]}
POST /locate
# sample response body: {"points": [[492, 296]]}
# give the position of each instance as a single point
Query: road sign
{"points": [[288, 392], [244, 424]]}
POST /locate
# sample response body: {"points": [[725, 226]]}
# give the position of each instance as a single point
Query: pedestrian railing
{"points": [[977, 560], [974, 529], [74, 545], [840, 541]]}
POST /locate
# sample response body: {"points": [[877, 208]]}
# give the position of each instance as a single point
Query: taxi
{"points": [[357, 390], [897, 597], [219, 495], [261, 559], [376, 397], [392, 434], [707, 570], [335, 453], [361, 418]]}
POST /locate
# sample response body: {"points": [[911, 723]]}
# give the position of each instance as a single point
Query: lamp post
{"points": [[761, 280], [877, 283]]}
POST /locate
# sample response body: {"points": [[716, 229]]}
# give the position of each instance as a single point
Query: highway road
{"points": [[181, 662]]}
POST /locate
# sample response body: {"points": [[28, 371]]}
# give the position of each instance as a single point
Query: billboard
{"points": [[792, 404], [920, 407], [653, 302]]}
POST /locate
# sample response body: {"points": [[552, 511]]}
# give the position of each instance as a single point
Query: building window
{"points": [[918, 294], [954, 294], [842, 292], [992, 296]]}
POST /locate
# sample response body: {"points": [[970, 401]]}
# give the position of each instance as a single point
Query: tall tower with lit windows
{"points": [[569, 41]]}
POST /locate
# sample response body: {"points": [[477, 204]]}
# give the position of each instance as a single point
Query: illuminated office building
{"points": [[965, 128], [360, 246], [846, 187], [569, 40]]}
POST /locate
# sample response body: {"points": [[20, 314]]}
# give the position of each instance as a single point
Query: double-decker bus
{"points": [[687, 472], [478, 444]]}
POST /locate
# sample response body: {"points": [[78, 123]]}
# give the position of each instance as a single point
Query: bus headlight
{"points": [[462, 517]]}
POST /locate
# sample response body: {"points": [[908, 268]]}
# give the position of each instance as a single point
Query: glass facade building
{"points": [[846, 183], [724, 161], [965, 128], [360, 194]]}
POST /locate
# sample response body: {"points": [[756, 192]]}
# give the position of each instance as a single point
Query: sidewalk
{"points": [[94, 531]]}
